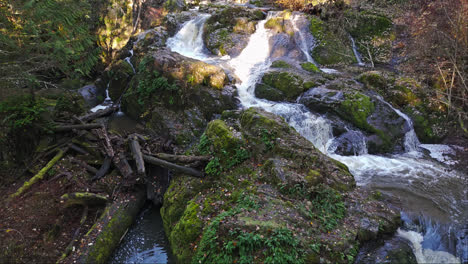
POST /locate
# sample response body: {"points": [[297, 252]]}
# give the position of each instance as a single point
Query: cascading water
{"points": [[188, 41], [356, 52], [419, 182]]}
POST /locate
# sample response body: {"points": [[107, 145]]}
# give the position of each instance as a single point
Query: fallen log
{"points": [[69, 248], [83, 198], [78, 127], [181, 158], [40, 174], [135, 148], [121, 163], [85, 165], [172, 166], [98, 114], [105, 235], [78, 149], [103, 170]]}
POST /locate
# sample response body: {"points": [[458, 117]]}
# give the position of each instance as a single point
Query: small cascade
{"points": [[189, 40], [301, 39], [421, 182], [411, 140], [356, 52], [106, 103], [306, 41], [128, 60]]}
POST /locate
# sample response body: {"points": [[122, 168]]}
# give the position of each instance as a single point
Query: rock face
{"points": [[407, 94], [227, 31], [177, 96], [283, 84], [268, 196], [384, 128]]}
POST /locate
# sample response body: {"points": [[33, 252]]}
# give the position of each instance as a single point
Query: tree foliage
{"points": [[42, 41]]}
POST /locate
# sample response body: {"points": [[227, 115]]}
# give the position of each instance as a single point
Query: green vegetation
{"points": [[309, 66], [43, 41], [328, 207], [22, 113], [356, 108], [280, 64]]}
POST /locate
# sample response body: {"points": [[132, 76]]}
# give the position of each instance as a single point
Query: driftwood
{"points": [[103, 170], [78, 127], [172, 166], [85, 165], [181, 158], [98, 114], [83, 198], [40, 174], [135, 148], [102, 134]]}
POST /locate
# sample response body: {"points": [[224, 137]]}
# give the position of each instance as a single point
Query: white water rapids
{"points": [[421, 181]]}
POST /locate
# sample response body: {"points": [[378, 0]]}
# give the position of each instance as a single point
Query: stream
{"points": [[433, 197]]}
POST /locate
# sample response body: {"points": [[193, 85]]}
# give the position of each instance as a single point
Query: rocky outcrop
{"points": [[177, 96], [268, 196], [408, 95], [227, 31], [384, 129], [284, 83]]}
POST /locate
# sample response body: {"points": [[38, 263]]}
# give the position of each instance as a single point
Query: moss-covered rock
{"points": [[408, 95], [227, 31], [310, 67], [277, 86], [330, 49], [280, 64], [285, 197], [118, 78], [177, 96]]}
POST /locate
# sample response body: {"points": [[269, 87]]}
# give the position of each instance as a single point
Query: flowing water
{"points": [[425, 185], [145, 241], [356, 52]]}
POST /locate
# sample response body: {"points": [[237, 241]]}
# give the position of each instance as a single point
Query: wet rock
{"points": [[384, 129], [92, 95], [174, 21], [119, 75], [283, 85], [176, 96], [265, 181], [227, 31], [349, 143], [395, 250]]}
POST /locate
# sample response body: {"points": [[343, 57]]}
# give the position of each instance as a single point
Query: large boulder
{"points": [[269, 196], [227, 31], [285, 84], [407, 94], [384, 128], [177, 96]]}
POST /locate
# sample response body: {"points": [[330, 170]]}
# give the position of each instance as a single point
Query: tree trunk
{"points": [[172, 166]]}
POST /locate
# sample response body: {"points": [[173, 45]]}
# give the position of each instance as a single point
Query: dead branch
{"points": [[83, 198], [98, 114], [77, 127], [103, 170], [172, 166], [135, 148]]}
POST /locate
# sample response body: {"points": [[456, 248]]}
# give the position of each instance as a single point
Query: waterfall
{"points": [[411, 140], [189, 40], [410, 177], [306, 42], [302, 40], [356, 53]]}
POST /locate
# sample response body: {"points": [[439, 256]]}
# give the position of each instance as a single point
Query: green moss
{"points": [[356, 108], [186, 231], [313, 177], [330, 48], [268, 92], [221, 137], [289, 84], [276, 24], [309, 66], [280, 64], [373, 80]]}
